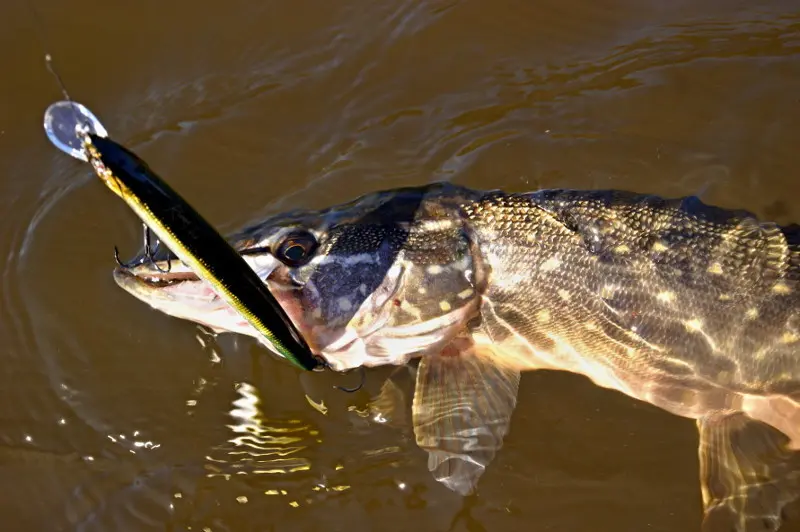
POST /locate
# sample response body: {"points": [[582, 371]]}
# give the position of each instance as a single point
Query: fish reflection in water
{"points": [[689, 307]]}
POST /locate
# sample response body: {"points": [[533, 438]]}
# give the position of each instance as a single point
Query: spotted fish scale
{"points": [[676, 295]]}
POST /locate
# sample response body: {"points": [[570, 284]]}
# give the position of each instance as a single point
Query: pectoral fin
{"points": [[747, 473], [461, 411]]}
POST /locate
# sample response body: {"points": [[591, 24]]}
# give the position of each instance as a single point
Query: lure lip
{"points": [[65, 129]]}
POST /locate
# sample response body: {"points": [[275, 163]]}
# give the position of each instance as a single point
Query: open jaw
{"points": [[353, 308], [182, 294], [178, 292]]}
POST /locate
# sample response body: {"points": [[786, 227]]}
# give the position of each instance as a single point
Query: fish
{"points": [[76, 131], [687, 306]]}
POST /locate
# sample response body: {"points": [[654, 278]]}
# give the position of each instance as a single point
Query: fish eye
{"points": [[296, 249]]}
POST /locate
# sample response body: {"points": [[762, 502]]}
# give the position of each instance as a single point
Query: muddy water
{"points": [[113, 417]]}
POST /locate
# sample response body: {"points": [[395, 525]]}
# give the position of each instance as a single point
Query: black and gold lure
{"points": [[73, 129]]}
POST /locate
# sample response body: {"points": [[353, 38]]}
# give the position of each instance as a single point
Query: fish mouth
{"points": [[180, 293], [153, 278], [171, 272], [171, 287], [147, 279]]}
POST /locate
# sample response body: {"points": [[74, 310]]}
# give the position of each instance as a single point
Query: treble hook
{"points": [[360, 385], [322, 365], [149, 251]]}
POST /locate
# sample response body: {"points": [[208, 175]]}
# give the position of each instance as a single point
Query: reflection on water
{"points": [[259, 447], [114, 418]]}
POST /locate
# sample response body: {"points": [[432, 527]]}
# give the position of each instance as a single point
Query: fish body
{"points": [[687, 306], [683, 305]]}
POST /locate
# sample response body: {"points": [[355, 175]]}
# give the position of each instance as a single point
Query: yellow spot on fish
{"points": [[422, 290], [435, 269], [564, 294], [550, 264], [666, 296], [444, 305], [543, 316], [622, 248], [464, 294], [694, 325], [752, 313], [608, 291], [715, 268], [411, 309], [724, 297], [781, 288], [316, 313], [590, 325], [659, 246], [789, 338]]}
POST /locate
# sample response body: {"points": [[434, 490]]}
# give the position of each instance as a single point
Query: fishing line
{"points": [[38, 25], [82, 127]]}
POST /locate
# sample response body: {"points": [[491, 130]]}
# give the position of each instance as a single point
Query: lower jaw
{"points": [[200, 304]]}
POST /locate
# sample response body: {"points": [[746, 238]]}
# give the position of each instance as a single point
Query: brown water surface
{"points": [[115, 417]]}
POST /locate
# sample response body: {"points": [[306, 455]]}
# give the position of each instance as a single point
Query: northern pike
{"points": [[683, 305]]}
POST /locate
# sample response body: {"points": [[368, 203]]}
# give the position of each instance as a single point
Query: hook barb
{"points": [[149, 252]]}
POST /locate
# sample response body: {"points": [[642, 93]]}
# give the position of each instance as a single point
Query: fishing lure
{"points": [[73, 129]]}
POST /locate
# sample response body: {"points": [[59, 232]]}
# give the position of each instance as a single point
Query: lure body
{"points": [[180, 227]]}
